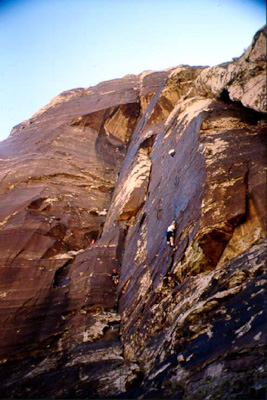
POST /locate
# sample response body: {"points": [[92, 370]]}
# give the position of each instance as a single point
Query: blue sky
{"points": [[48, 46]]}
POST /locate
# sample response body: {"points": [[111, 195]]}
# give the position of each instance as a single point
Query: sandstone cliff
{"points": [[88, 185]]}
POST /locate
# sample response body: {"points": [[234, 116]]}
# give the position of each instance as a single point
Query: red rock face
{"points": [[88, 185], [58, 175]]}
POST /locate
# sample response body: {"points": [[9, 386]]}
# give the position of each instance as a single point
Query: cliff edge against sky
{"points": [[88, 185]]}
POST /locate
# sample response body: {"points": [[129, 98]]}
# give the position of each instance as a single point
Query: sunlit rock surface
{"points": [[88, 185]]}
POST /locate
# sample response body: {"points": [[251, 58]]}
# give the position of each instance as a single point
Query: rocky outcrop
{"points": [[89, 185]]}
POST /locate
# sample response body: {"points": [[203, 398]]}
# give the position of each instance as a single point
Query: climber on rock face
{"points": [[115, 276], [171, 233]]}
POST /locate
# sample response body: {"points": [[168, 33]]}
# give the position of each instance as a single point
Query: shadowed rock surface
{"points": [[88, 185]]}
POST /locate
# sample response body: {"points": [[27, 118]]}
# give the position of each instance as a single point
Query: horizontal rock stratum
{"points": [[90, 183]]}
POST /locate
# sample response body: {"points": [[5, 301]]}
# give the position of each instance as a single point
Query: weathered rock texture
{"points": [[88, 185]]}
